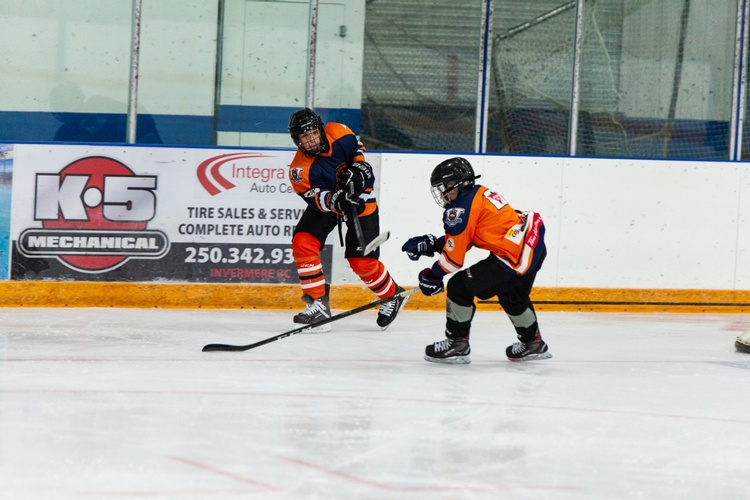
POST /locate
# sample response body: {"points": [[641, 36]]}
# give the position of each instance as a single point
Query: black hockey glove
{"points": [[343, 202], [429, 283], [420, 245], [357, 175]]}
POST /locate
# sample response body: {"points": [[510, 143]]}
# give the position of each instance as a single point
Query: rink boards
{"points": [[250, 296]]}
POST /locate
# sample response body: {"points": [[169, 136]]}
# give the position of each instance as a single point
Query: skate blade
{"points": [[454, 360], [315, 329], [532, 357]]}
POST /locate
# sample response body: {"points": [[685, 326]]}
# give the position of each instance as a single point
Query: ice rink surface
{"points": [[122, 404]]}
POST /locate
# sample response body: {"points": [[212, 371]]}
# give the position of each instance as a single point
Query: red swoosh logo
{"points": [[210, 177]]}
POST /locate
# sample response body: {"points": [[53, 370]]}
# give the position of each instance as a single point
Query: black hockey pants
{"points": [[486, 279]]}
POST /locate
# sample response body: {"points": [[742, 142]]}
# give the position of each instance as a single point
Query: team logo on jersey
{"points": [[453, 216], [295, 173], [94, 214], [449, 244]]}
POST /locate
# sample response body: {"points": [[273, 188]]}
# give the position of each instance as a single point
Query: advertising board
{"points": [[113, 213]]}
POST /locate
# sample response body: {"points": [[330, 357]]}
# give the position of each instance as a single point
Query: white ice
{"points": [[122, 404]]}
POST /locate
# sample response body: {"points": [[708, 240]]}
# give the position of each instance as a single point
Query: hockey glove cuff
{"points": [[429, 283]]}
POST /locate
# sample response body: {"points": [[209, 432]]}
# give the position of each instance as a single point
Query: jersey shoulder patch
{"points": [[295, 174], [454, 216], [299, 172]]}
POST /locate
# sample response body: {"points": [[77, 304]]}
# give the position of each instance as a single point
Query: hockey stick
{"points": [[356, 223], [376, 242], [228, 347]]}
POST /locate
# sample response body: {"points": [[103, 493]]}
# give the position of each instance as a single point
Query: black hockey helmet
{"points": [[304, 120], [454, 173]]}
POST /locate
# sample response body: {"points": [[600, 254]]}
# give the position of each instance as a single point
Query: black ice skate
{"points": [[389, 310], [526, 351], [451, 351], [316, 311]]}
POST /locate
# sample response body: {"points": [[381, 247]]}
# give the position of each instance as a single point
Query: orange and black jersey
{"points": [[481, 218], [314, 178]]}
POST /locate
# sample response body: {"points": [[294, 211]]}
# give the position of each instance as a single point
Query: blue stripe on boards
{"points": [[193, 130]]}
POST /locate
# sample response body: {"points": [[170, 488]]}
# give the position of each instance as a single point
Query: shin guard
{"points": [[306, 251], [374, 274]]}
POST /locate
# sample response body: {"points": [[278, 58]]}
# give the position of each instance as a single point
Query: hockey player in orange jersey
{"points": [[330, 173], [476, 216]]}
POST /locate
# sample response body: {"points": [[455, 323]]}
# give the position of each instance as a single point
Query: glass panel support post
{"points": [[740, 83], [483, 89], [133, 80], [575, 95], [312, 41]]}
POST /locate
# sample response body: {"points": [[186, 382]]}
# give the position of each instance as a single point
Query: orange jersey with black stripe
{"points": [[482, 218], [314, 178]]}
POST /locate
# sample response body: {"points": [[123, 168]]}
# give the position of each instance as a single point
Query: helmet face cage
{"points": [[438, 193], [303, 120], [455, 173]]}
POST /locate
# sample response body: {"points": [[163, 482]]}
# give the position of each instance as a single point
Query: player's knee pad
{"points": [[305, 246]]}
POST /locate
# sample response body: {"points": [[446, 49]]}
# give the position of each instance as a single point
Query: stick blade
{"points": [[223, 347], [376, 242]]}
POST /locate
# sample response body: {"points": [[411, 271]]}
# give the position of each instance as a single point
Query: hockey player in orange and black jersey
{"points": [[476, 216], [330, 173]]}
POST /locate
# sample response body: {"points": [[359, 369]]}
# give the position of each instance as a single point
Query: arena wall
{"points": [[623, 235]]}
